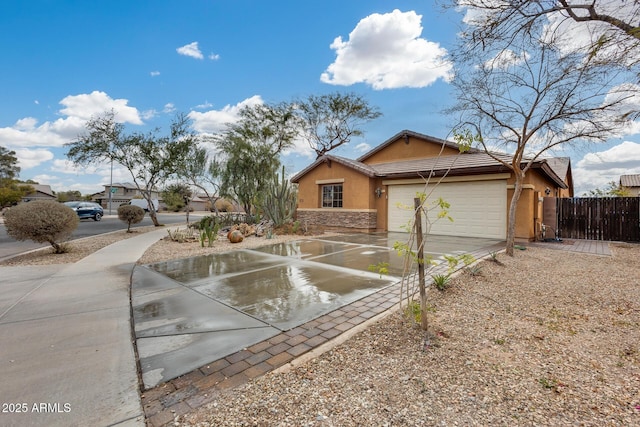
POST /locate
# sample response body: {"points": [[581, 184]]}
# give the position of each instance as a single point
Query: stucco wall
{"points": [[415, 149], [535, 184], [356, 187]]}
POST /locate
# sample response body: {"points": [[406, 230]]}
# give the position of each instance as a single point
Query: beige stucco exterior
{"points": [[365, 195]]}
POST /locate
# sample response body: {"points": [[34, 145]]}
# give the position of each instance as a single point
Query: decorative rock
{"points": [[235, 236]]}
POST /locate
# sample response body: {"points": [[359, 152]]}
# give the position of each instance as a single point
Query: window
{"points": [[332, 196]]}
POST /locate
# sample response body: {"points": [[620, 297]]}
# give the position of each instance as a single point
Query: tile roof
{"points": [[472, 162], [560, 165], [466, 163], [630, 180], [327, 158]]}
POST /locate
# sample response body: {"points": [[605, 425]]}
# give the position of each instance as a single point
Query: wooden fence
{"points": [[599, 218]]}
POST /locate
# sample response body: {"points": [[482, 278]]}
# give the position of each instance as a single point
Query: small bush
{"points": [[441, 281], [130, 214], [182, 235], [42, 221], [223, 205]]}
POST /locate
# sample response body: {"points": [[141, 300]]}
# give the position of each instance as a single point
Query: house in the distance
{"points": [[375, 192], [631, 183], [41, 192], [121, 193]]}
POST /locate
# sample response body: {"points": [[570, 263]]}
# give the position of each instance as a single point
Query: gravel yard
{"points": [[549, 338]]}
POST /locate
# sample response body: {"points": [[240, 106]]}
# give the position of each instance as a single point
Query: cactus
{"points": [[281, 200]]}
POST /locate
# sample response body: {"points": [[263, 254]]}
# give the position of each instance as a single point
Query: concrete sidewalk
{"points": [[67, 356]]}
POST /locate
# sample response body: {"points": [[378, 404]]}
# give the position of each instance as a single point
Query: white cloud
{"points": [[363, 147], [506, 59], [25, 134], [148, 114], [78, 108], [214, 56], [45, 178], [597, 169], [29, 158], [169, 108], [191, 50], [206, 104], [214, 121], [386, 52], [583, 35], [154, 73], [84, 106], [300, 148], [104, 171], [65, 166]]}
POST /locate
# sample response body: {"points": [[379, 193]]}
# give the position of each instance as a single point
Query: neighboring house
{"points": [[562, 167], [42, 192], [631, 183], [121, 193], [376, 191]]}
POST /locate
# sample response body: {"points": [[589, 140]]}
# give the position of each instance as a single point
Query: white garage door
{"points": [[478, 208]]}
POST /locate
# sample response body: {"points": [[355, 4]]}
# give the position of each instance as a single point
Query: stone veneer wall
{"points": [[339, 218]]}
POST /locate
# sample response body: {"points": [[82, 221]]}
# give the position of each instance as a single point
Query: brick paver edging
{"points": [[181, 395]]}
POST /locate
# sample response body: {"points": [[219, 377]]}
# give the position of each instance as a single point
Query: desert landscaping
{"points": [[543, 338]]}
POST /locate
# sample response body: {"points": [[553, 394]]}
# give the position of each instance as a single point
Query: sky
{"points": [[65, 61]]}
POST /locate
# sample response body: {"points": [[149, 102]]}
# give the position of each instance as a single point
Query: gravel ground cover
{"points": [[548, 338]]}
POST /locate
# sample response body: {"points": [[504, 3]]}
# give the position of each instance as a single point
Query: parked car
{"points": [[87, 210]]}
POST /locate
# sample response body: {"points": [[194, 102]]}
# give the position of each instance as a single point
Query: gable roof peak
{"points": [[405, 135]]}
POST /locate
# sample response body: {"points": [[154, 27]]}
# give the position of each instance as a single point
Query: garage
{"points": [[478, 208]]}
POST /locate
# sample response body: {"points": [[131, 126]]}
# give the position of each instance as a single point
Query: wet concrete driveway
{"points": [[190, 312]]}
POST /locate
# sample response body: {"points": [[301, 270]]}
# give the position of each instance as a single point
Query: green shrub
{"points": [[130, 214], [42, 221], [209, 234], [441, 281]]}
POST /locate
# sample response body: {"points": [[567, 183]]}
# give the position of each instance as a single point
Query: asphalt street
{"points": [[87, 227]]}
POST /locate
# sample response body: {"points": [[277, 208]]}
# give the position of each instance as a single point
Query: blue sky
{"points": [[64, 61]]}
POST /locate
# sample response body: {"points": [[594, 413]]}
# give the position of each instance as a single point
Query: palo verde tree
{"points": [[151, 159], [251, 149], [203, 171], [330, 121], [533, 96]]}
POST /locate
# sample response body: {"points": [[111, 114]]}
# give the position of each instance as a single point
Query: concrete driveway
{"points": [[190, 312]]}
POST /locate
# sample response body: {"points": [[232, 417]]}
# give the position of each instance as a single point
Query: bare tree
{"points": [[607, 29], [150, 159], [534, 98], [329, 121]]}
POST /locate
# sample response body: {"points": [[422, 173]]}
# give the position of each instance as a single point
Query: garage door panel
{"points": [[478, 208]]}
